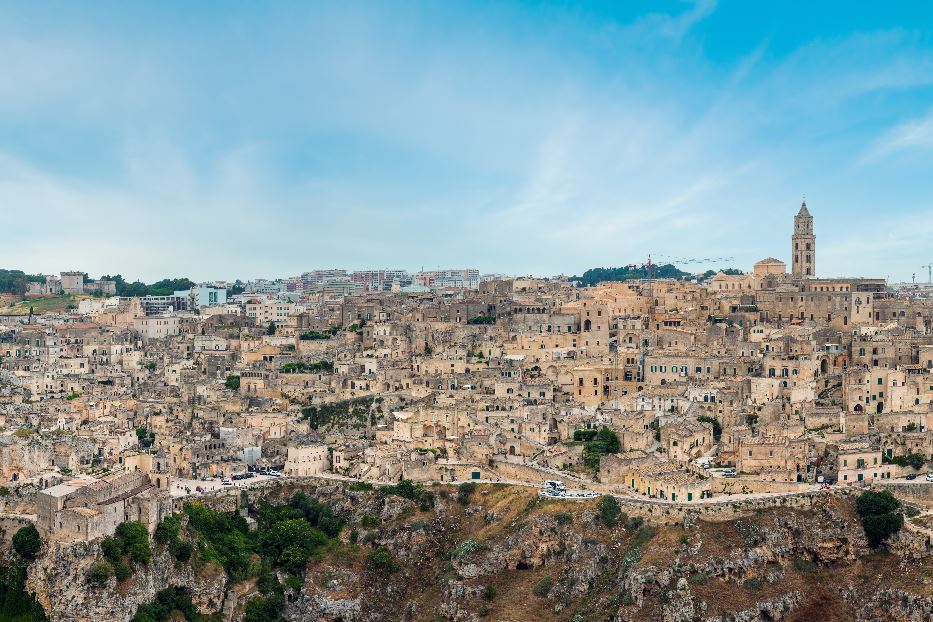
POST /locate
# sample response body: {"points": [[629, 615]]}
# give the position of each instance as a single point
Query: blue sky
{"points": [[225, 140]]}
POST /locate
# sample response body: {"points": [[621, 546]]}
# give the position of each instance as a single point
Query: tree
{"points": [[112, 549], [135, 540], [233, 382], [880, 518], [271, 328], [27, 542], [609, 510]]}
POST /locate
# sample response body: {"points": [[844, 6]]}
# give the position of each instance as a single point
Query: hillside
{"points": [[501, 553]]}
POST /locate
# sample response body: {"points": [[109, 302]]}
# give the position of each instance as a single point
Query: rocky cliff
{"points": [[505, 554]]}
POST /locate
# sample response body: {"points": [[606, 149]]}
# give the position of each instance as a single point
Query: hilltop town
{"points": [[669, 392]]}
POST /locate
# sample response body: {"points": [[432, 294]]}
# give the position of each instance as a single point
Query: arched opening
{"points": [[511, 450], [587, 325], [880, 407], [858, 408], [824, 366]]}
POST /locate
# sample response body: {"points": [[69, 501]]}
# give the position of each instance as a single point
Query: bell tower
{"points": [[803, 244]]}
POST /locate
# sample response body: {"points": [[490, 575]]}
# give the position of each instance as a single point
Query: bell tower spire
{"points": [[803, 243]]}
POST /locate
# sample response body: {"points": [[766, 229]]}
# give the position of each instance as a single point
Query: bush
{"points": [[369, 521], [165, 603], [543, 587], [100, 573], [465, 491], [381, 560], [135, 540], [481, 319], [563, 518], [584, 435], [167, 531], [122, 571], [232, 382], [112, 549], [182, 551], [609, 510], [880, 518], [489, 592], [266, 609], [27, 542], [605, 442]]}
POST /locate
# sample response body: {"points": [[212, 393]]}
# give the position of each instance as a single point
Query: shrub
{"points": [[112, 549], [543, 586], [609, 510], [165, 603], [584, 435], [381, 560], [489, 592], [27, 542], [880, 518], [232, 382], [369, 521], [563, 518], [135, 540], [182, 551], [268, 609], [122, 571], [167, 530], [100, 573], [468, 547], [465, 491]]}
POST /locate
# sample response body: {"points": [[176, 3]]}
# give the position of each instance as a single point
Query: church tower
{"points": [[803, 243]]}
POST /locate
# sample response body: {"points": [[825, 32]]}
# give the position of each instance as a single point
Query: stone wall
{"points": [[919, 491]]}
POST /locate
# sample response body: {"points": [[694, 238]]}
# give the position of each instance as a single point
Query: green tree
{"points": [[112, 549], [880, 516], [270, 330], [609, 510], [233, 382], [27, 542], [135, 539]]}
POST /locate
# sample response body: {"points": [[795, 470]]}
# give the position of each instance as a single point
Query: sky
{"points": [[223, 140]]}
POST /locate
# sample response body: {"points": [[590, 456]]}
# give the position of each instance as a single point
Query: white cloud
{"points": [[912, 134]]}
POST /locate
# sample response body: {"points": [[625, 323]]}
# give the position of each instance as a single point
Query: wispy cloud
{"points": [[909, 135]]}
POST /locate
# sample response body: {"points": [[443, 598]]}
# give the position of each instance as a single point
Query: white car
{"points": [[226, 482], [930, 477]]}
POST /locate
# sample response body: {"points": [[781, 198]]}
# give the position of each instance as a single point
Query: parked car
{"points": [[226, 482], [728, 473], [930, 477], [910, 476]]}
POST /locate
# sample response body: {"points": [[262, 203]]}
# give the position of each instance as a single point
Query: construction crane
{"points": [[929, 268]]}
